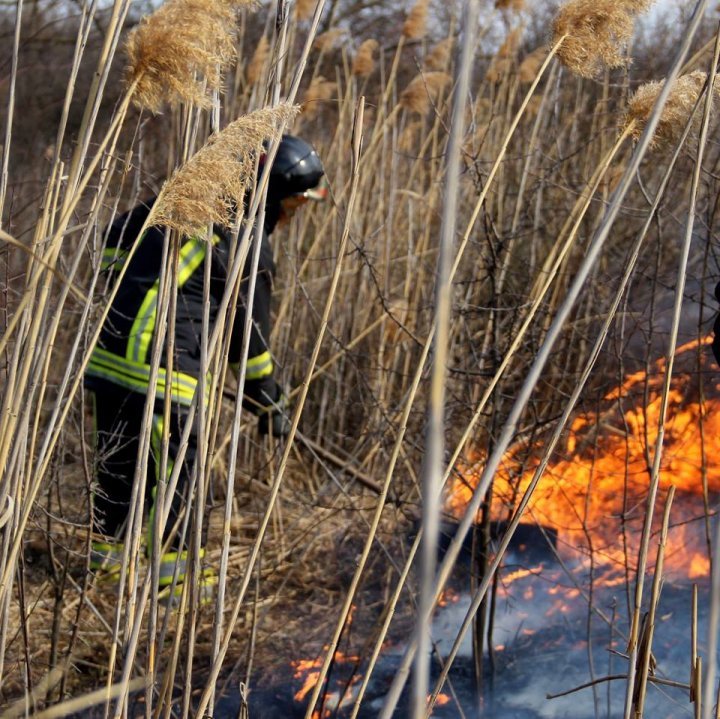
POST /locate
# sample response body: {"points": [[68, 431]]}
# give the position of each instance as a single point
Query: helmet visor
{"points": [[318, 193]]}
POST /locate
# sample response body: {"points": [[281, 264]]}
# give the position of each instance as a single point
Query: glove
{"points": [[274, 419], [716, 328]]}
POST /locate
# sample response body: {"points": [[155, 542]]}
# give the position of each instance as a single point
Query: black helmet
{"points": [[297, 170]]}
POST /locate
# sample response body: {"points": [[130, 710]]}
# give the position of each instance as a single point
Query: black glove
{"points": [[274, 418], [716, 328]]}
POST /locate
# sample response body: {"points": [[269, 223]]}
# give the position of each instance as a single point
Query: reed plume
{"points": [[511, 44], [439, 56], [364, 63], [595, 32], [215, 180], [638, 6], [304, 9], [257, 63], [499, 68], [415, 25], [409, 137], [514, 5], [178, 53], [422, 89], [320, 90], [685, 93], [327, 40], [530, 66]]}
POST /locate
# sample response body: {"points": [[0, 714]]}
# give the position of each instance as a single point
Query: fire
{"points": [[594, 489], [308, 670], [699, 566], [448, 596]]}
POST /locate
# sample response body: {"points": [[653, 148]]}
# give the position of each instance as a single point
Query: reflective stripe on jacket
{"points": [[122, 353]]}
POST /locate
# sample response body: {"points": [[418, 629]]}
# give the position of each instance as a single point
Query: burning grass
{"points": [[593, 487], [536, 177]]}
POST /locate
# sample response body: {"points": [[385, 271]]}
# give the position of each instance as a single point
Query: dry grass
{"points": [[258, 61], [514, 5], [319, 91], [536, 177], [363, 62], [528, 69], [439, 57], [214, 182], [178, 53], [415, 25], [676, 113], [329, 39], [423, 90], [596, 33], [303, 9]]}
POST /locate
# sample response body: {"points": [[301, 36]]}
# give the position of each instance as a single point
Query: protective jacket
{"points": [[122, 353]]}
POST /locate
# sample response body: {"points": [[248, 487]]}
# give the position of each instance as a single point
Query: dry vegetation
{"points": [[302, 531]]}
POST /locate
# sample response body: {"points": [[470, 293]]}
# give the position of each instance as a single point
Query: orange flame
{"points": [[448, 596], [594, 489]]}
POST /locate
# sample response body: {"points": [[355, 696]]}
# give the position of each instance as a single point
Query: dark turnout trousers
{"points": [[118, 418]]}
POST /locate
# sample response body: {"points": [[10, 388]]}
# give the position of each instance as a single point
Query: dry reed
{"points": [[304, 9], [363, 62], [514, 5], [178, 53], [422, 90], [320, 91], [511, 44], [498, 69], [531, 64], [213, 183], [329, 39], [259, 59], [406, 169], [439, 57], [415, 25], [596, 32], [683, 97]]}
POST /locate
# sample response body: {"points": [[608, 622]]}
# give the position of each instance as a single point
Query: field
{"points": [[500, 317]]}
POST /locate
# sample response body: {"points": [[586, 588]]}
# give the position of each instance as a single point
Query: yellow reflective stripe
{"points": [[260, 366], [139, 371], [142, 328], [192, 254], [113, 257], [136, 377]]}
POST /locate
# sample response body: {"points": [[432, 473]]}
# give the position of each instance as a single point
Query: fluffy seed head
{"points": [[363, 63], [530, 66], [597, 31], [409, 137], [638, 6], [685, 93], [214, 181], [499, 68], [511, 44], [320, 89], [423, 88], [304, 9], [439, 57], [327, 40], [516, 5], [178, 53], [415, 25], [257, 63]]}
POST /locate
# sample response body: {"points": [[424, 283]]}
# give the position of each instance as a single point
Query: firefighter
{"points": [[119, 369]]}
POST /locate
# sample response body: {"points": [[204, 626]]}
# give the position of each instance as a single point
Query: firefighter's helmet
{"points": [[296, 172]]}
